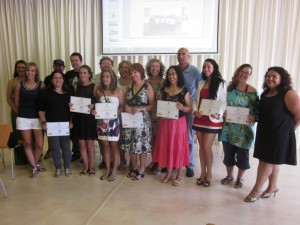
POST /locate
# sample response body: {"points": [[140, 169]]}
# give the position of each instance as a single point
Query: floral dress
{"points": [[138, 140], [108, 129]]}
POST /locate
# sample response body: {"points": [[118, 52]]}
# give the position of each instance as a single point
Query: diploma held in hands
{"points": [[167, 109], [106, 110], [80, 105], [237, 115], [132, 121], [58, 129], [209, 106]]}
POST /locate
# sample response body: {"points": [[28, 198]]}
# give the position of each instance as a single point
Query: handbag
{"points": [[12, 140]]}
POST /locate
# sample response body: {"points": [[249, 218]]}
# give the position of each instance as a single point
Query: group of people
{"points": [[169, 141]]}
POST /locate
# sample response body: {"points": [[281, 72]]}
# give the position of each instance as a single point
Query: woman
{"points": [[238, 138], [26, 95], [170, 150], [108, 129], [139, 98], [124, 81], [85, 125], [275, 142], [155, 70], [19, 74], [211, 87], [54, 107]]}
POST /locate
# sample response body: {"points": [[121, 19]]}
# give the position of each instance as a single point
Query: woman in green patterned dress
{"points": [[238, 138]]}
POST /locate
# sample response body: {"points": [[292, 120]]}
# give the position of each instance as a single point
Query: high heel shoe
{"points": [[267, 195], [249, 198]]}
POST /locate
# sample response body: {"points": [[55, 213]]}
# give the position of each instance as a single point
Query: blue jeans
{"points": [[55, 144], [191, 133]]}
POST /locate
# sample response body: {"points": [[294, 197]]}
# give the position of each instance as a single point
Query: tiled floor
{"points": [[88, 200]]}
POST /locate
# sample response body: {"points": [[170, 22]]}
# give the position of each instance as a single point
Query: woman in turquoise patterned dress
{"points": [[137, 141], [238, 138], [155, 70]]}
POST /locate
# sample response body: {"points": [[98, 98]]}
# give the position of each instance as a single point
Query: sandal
{"points": [[167, 178], [132, 173], [40, 168], [138, 175], [104, 176], [83, 172], [239, 183], [91, 172], [206, 183], [112, 177], [33, 173], [177, 181], [226, 180], [200, 181]]}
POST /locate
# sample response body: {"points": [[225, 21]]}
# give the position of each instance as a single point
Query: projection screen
{"points": [[159, 26]]}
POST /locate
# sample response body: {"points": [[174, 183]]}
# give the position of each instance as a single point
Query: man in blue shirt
{"points": [[192, 76]]}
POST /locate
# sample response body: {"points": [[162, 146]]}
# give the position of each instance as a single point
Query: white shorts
{"points": [[28, 124]]}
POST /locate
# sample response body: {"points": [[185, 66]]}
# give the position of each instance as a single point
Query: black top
{"points": [[176, 98], [275, 141], [55, 105], [28, 101]]}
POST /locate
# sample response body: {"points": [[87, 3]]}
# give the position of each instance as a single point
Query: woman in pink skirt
{"points": [[172, 144]]}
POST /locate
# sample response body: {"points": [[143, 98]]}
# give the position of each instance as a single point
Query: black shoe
{"points": [[189, 172], [75, 156], [101, 165]]}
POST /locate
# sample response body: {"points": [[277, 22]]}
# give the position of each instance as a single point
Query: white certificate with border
{"points": [[58, 129], [80, 105], [132, 121], [167, 109], [237, 115], [106, 110], [209, 106]]}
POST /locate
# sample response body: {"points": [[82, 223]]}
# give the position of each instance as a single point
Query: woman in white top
{"points": [[108, 129]]}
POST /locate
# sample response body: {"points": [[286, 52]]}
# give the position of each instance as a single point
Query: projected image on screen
{"points": [[159, 26]]}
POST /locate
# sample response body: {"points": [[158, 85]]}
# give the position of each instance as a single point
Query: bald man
{"points": [[192, 76]]}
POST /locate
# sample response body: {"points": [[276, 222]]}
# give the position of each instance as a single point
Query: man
{"points": [[58, 66], [105, 63], [192, 76], [71, 80]]}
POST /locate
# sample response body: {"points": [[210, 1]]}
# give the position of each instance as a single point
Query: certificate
{"points": [[58, 129], [167, 109], [106, 110], [132, 121], [80, 105], [209, 106], [237, 115]]}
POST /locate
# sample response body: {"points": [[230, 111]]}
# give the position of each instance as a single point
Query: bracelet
{"points": [[43, 122]]}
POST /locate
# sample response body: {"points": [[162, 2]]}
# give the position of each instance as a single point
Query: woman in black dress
{"points": [[275, 143]]}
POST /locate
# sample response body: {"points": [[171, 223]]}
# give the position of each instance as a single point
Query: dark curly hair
{"points": [[285, 80], [215, 80], [180, 82]]}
